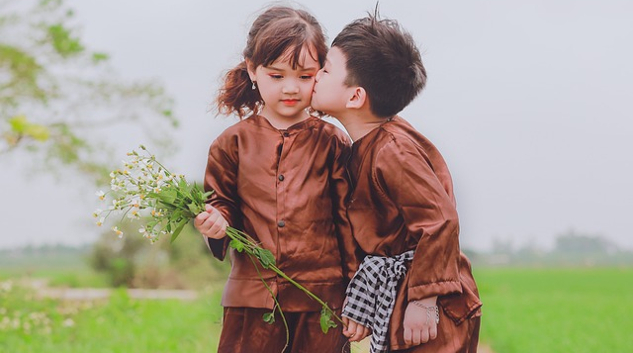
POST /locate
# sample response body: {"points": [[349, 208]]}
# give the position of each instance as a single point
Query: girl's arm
{"points": [[221, 177], [340, 185]]}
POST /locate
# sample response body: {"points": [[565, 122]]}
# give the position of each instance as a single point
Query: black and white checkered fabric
{"points": [[372, 293]]}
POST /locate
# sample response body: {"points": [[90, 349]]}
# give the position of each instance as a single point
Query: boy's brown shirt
{"points": [[403, 200], [287, 189]]}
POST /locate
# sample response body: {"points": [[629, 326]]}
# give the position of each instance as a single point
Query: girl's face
{"points": [[286, 92]]}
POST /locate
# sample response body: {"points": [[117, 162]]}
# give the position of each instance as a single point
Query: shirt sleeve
{"points": [[340, 184], [403, 171], [221, 178]]}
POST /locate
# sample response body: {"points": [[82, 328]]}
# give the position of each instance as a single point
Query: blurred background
{"points": [[529, 102]]}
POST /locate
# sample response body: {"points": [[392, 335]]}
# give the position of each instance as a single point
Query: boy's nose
{"points": [[318, 75]]}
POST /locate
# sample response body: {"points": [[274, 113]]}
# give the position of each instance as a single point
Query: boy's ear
{"points": [[358, 98]]}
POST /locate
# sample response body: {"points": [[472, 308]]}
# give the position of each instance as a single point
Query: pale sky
{"points": [[528, 101]]}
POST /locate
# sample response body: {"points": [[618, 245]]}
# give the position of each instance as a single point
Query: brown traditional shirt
{"points": [[403, 200], [287, 189]]}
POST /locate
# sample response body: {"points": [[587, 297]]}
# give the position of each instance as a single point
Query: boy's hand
{"points": [[419, 321], [354, 331], [211, 223]]}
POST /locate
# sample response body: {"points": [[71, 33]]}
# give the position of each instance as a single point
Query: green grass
{"points": [[557, 310], [525, 310], [119, 324]]}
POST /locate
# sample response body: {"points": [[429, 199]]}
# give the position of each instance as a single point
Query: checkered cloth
{"points": [[372, 293]]}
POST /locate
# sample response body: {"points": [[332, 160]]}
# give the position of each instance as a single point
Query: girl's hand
{"points": [[420, 321], [211, 223], [354, 331]]}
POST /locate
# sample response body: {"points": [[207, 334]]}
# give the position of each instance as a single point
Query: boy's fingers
{"points": [[415, 337], [433, 332], [407, 335], [424, 335]]}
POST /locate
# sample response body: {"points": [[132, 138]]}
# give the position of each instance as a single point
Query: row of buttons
{"points": [[281, 177]]}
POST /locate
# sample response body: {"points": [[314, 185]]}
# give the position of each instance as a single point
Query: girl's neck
{"points": [[281, 122]]}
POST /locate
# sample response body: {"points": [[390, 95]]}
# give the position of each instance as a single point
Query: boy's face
{"points": [[331, 94]]}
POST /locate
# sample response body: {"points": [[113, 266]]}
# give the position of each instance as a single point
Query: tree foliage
{"points": [[62, 101]]}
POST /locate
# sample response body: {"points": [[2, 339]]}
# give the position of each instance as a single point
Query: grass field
{"points": [[119, 324], [557, 310], [525, 310]]}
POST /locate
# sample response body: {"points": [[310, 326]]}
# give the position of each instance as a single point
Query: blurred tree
{"points": [[572, 242], [133, 262], [61, 101]]}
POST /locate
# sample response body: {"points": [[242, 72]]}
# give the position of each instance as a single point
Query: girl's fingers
{"points": [[351, 329], [358, 335], [345, 325]]}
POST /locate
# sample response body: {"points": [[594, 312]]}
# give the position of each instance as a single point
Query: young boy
{"points": [[402, 209]]}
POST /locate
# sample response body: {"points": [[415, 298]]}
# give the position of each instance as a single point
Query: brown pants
{"points": [[244, 331]]}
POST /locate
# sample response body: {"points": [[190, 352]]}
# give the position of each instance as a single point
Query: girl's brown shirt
{"points": [[403, 200], [287, 189]]}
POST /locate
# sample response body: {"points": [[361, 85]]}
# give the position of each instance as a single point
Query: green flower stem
{"points": [[240, 236], [277, 305]]}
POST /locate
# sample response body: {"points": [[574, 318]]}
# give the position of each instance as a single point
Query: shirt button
{"points": [[281, 224], [281, 178]]}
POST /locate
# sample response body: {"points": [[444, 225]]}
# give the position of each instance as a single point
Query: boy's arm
{"points": [[221, 177], [349, 249], [407, 177]]}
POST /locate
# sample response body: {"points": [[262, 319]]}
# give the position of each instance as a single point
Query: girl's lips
{"points": [[289, 102]]}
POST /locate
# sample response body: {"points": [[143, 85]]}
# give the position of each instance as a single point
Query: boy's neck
{"points": [[359, 125]]}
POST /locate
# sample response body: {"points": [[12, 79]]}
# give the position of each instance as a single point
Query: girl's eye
{"points": [[275, 76], [306, 77]]}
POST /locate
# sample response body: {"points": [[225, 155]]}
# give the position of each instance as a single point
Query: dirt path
{"points": [[43, 291], [363, 347]]}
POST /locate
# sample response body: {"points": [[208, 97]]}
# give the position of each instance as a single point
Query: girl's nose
{"points": [[290, 88]]}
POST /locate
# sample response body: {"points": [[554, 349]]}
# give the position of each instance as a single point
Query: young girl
{"points": [[279, 175]]}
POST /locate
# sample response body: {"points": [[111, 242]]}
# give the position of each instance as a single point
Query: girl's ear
{"points": [[250, 69], [358, 98]]}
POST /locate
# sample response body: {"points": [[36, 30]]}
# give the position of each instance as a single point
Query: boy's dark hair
{"points": [[384, 60], [276, 30]]}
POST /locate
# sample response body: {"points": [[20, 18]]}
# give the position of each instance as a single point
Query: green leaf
{"points": [[37, 132], [237, 245], [269, 317], [19, 123], [193, 208], [179, 228], [98, 57], [326, 320], [62, 40], [168, 196], [266, 258]]}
